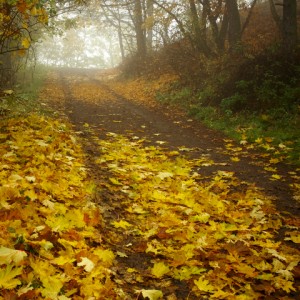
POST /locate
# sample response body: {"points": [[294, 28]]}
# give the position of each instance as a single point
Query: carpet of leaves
{"points": [[219, 236], [50, 241]]}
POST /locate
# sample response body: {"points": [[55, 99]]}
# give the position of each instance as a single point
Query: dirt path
{"points": [[122, 116], [96, 110]]}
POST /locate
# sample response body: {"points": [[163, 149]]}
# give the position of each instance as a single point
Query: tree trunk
{"points": [[204, 17], [219, 35], [234, 24], [140, 35], [120, 37], [150, 5], [289, 26], [275, 15], [223, 32], [199, 33], [249, 16]]}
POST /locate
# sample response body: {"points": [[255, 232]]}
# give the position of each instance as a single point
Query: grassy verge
{"points": [[23, 99], [274, 129]]}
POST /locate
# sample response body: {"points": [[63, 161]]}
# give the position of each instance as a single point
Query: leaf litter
{"points": [[162, 231]]}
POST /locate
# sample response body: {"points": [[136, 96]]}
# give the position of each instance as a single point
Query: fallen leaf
{"points": [[121, 254], [8, 256], [204, 285], [276, 177], [151, 294], [121, 224], [7, 277], [160, 269], [87, 264]]}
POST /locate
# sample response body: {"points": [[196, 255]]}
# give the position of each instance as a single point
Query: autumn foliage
{"points": [[48, 223], [142, 223]]}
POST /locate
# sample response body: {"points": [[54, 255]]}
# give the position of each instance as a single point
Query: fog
{"points": [[80, 47]]}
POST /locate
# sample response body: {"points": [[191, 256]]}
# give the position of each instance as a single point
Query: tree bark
{"points": [[199, 33], [234, 24], [289, 26], [140, 34], [219, 35], [223, 32], [150, 5], [275, 15], [248, 16]]}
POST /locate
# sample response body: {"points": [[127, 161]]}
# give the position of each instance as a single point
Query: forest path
{"points": [[171, 230], [90, 101]]}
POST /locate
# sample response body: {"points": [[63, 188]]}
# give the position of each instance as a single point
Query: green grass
{"points": [[280, 125], [282, 128], [24, 98]]}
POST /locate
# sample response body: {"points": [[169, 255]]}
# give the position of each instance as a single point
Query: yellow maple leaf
{"points": [[87, 264], [270, 169], [276, 254], [121, 254], [121, 224], [245, 269], [72, 219], [276, 177], [163, 175], [262, 266], [105, 255], [204, 285], [221, 295], [8, 255], [160, 269], [31, 194], [277, 265], [7, 277], [52, 286], [185, 272], [265, 276], [61, 260], [151, 294], [131, 270], [274, 161], [202, 217], [268, 139], [115, 181], [235, 159], [294, 237], [259, 140], [284, 284]]}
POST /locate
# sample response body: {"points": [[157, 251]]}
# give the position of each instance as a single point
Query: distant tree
{"points": [[21, 25], [150, 19], [199, 32], [234, 23], [287, 24], [139, 30]]}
